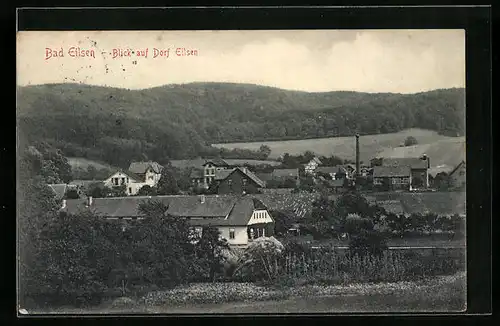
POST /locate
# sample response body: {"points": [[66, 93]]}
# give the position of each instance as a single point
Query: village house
{"points": [[419, 169], [139, 174], [240, 219], [457, 176], [332, 172], [311, 166], [238, 181], [210, 171], [392, 177]]}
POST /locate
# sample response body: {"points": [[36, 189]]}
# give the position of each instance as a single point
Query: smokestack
{"points": [[357, 154]]}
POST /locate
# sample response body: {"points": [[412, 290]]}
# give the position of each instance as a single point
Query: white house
{"points": [[311, 166], [139, 175], [240, 219]]}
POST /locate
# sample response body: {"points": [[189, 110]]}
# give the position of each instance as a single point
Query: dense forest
{"points": [[181, 121]]}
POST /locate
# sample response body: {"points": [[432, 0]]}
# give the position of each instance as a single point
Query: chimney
{"points": [[202, 199], [89, 201], [357, 154]]}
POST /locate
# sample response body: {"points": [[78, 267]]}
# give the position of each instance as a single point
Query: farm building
{"points": [[238, 181], [419, 168], [392, 177], [240, 219]]}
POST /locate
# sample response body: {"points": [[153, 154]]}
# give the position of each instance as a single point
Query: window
{"points": [[129, 190], [230, 182], [244, 181], [150, 177], [123, 181], [231, 233]]}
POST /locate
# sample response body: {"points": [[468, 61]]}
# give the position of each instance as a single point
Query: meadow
{"points": [[442, 150]]}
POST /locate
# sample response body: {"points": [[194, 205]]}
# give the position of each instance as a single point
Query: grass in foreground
{"points": [[440, 294]]}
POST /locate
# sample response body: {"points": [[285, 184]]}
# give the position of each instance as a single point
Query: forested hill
{"points": [[178, 121]]}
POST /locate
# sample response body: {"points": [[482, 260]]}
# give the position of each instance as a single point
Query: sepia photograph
{"points": [[241, 171]]}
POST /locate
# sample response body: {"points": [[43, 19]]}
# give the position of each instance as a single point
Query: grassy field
{"points": [[436, 146], [439, 294]]}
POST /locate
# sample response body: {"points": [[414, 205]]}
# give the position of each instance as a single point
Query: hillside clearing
{"points": [[370, 145], [83, 163]]}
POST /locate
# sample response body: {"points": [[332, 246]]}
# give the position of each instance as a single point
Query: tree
{"points": [[265, 151], [417, 182], [72, 194], [167, 185], [282, 222], [410, 141], [364, 239], [97, 190], [147, 190], [210, 251], [167, 244]]}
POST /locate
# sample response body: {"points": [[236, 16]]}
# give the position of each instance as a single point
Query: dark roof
{"points": [[217, 162], [84, 183], [222, 174], [281, 173], [142, 167], [252, 176], [59, 189], [413, 162], [130, 174], [457, 167], [331, 169], [196, 174], [391, 171], [215, 210], [264, 176]]}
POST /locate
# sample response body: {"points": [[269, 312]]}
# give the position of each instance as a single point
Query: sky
{"points": [[398, 61]]}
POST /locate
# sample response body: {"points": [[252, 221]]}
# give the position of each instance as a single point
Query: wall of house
{"points": [[151, 178], [109, 181], [457, 179], [240, 234], [234, 184]]}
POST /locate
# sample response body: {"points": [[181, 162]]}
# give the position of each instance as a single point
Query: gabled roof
{"points": [[391, 171], [413, 162], [217, 162], [142, 167], [215, 210], [59, 189], [461, 164], [222, 174], [281, 173]]}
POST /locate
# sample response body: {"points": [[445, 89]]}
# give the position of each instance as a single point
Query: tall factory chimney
{"points": [[357, 156]]}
